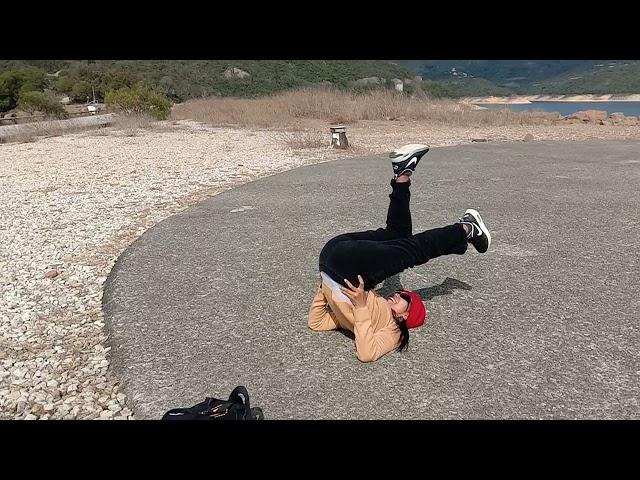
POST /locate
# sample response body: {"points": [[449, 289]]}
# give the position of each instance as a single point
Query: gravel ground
{"points": [[70, 205]]}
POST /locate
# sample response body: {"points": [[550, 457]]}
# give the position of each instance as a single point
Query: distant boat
{"points": [[93, 106]]}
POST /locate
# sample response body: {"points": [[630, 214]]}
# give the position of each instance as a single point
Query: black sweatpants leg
{"points": [[382, 253]]}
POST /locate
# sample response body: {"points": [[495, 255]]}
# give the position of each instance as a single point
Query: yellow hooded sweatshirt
{"points": [[373, 325]]}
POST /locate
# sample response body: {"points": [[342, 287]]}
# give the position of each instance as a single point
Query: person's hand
{"points": [[356, 294]]}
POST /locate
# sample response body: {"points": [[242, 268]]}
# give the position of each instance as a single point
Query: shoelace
{"points": [[471, 234]]}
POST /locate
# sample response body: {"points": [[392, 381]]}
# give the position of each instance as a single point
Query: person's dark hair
{"points": [[404, 335]]}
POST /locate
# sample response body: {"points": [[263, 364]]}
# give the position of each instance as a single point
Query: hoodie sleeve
{"points": [[320, 318], [370, 345]]}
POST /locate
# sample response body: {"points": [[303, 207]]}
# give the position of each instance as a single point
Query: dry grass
{"points": [[100, 132], [30, 132], [302, 139], [343, 107], [131, 125]]}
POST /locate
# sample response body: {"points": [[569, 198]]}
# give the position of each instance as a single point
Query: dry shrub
{"points": [[131, 124], [336, 106], [302, 139], [30, 132]]}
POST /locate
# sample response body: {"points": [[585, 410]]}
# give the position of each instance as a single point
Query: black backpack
{"points": [[236, 408]]}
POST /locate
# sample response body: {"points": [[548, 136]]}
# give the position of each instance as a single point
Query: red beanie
{"points": [[417, 310]]}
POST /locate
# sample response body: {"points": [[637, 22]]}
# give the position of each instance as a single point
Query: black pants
{"points": [[379, 254]]}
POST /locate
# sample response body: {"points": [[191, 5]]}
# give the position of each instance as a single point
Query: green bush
{"points": [[41, 102], [437, 89], [81, 92], [138, 100], [6, 103], [14, 82], [116, 80], [64, 85]]}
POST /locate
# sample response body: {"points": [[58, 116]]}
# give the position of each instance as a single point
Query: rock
{"points": [[571, 121], [234, 72], [617, 117], [592, 116], [479, 140], [106, 414], [368, 81], [21, 406], [528, 138], [37, 397], [399, 86], [14, 395], [37, 409], [30, 417], [52, 274]]}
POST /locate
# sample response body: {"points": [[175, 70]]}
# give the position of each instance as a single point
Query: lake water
{"points": [[567, 108]]}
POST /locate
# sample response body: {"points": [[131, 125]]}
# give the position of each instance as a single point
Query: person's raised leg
{"points": [[377, 261], [398, 222], [398, 225]]}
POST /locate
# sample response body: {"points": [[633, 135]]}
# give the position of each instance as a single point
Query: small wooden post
{"points": [[339, 137]]}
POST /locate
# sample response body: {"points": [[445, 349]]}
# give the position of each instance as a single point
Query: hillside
{"points": [[531, 77], [606, 77], [182, 80]]}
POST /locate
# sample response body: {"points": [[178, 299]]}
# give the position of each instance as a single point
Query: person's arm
{"points": [[319, 317], [370, 345]]}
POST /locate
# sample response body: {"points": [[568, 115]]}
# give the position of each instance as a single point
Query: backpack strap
{"points": [[237, 396]]}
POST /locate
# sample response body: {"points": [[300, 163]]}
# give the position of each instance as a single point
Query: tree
{"points": [[65, 85], [81, 92], [139, 100], [13, 82], [38, 101]]}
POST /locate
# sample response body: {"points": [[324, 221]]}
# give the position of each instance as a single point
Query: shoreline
{"points": [[527, 99]]}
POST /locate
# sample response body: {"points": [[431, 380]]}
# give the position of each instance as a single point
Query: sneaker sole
{"points": [[418, 153], [411, 147], [411, 154], [483, 227]]}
